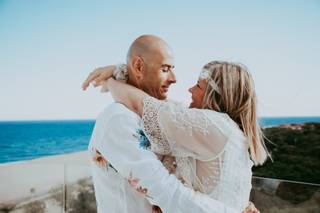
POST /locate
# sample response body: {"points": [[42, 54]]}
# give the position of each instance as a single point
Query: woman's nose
{"points": [[190, 89]]}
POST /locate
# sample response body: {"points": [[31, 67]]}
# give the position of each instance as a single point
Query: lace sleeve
{"points": [[151, 126], [183, 132]]}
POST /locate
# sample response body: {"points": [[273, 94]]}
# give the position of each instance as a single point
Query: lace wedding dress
{"points": [[211, 152]]}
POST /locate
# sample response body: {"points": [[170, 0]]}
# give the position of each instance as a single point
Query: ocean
{"points": [[25, 140]]}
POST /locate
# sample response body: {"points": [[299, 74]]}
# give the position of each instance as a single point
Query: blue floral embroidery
{"points": [[143, 140]]}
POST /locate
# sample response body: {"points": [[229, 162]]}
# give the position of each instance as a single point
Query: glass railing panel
{"points": [[57, 188], [35, 188], [281, 196]]}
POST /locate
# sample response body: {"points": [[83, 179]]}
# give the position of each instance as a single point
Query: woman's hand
{"points": [[156, 209], [251, 208], [98, 76]]}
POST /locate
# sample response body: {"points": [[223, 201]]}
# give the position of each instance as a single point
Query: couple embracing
{"points": [[151, 154]]}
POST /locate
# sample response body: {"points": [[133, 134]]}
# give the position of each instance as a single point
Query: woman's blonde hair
{"points": [[236, 97]]}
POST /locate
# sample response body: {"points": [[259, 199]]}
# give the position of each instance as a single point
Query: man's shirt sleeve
{"points": [[116, 139]]}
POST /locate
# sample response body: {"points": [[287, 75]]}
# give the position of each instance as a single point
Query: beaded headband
{"points": [[206, 75]]}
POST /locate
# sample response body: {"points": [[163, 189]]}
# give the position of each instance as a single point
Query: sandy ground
{"points": [[20, 180]]}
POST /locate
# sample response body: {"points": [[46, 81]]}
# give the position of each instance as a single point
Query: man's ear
{"points": [[138, 66]]}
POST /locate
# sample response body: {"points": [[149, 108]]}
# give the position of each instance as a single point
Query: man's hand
{"points": [[251, 209], [98, 76]]}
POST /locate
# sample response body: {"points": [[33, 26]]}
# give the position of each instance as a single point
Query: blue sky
{"points": [[47, 48]]}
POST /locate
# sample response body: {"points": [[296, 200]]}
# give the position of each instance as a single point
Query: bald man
{"points": [[150, 65], [127, 176]]}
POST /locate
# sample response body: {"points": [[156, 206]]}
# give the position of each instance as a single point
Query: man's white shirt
{"points": [[115, 137], [113, 192]]}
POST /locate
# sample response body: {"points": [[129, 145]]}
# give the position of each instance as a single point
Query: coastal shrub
{"points": [[295, 154], [35, 207], [83, 203], [57, 195], [81, 197], [6, 208], [295, 193]]}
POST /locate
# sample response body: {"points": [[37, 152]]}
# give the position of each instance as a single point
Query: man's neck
{"points": [[132, 82]]}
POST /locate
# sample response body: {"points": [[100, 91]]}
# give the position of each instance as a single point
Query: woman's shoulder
{"points": [[224, 122], [220, 120], [220, 117]]}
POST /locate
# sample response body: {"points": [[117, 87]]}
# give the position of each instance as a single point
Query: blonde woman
{"points": [[215, 141]]}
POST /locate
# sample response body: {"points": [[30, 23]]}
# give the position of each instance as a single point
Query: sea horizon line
{"points": [[93, 119]]}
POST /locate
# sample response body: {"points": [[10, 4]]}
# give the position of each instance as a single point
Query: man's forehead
{"points": [[167, 55], [167, 61]]}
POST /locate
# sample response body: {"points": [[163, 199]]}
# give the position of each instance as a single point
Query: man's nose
{"points": [[172, 77]]}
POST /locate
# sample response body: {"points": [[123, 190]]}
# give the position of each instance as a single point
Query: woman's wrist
{"points": [[118, 72], [121, 73]]}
